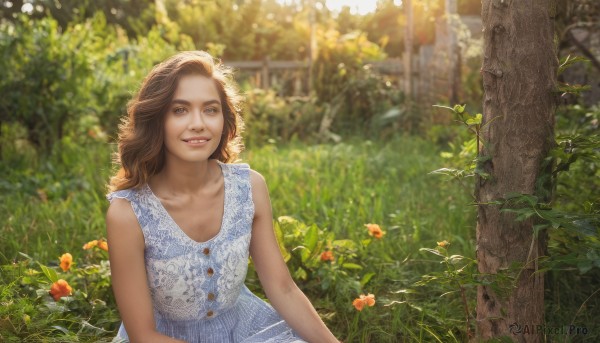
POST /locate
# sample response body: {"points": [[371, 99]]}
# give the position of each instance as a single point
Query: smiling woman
{"points": [[183, 220]]}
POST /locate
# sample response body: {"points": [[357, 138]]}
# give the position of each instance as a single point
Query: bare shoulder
{"points": [[120, 211], [257, 180], [122, 222], [260, 191], [260, 195]]}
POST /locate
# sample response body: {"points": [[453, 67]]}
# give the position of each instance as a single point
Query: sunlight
{"points": [[356, 6]]}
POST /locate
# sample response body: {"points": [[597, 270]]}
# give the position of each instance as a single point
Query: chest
{"points": [[200, 217]]}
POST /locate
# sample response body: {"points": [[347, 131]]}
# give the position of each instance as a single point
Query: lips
{"points": [[196, 140]]}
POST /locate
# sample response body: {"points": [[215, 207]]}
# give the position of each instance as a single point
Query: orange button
{"points": [[211, 296], [209, 313], [210, 271], [206, 251]]}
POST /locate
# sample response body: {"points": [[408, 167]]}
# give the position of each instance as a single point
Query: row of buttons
{"points": [[211, 296]]}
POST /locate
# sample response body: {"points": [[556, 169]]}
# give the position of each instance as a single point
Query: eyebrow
{"points": [[187, 103]]}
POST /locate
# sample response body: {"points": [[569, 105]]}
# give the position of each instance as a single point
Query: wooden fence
{"points": [[271, 73], [434, 67]]}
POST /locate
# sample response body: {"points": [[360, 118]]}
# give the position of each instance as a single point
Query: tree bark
{"points": [[519, 79]]}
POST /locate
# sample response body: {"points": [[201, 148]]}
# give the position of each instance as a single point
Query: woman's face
{"points": [[194, 121]]}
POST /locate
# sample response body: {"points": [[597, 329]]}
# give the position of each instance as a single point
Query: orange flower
{"points": [[443, 244], [369, 299], [103, 245], [66, 260], [60, 289], [90, 244], [375, 230], [327, 256], [360, 302]]}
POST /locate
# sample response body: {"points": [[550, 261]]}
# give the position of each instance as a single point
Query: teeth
{"points": [[194, 141]]}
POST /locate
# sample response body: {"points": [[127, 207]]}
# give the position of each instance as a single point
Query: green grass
{"points": [[54, 206]]}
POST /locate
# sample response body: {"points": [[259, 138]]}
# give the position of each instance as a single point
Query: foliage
{"points": [[134, 16], [75, 81], [330, 191], [460, 276], [270, 118], [256, 29], [341, 59], [356, 98], [82, 314], [466, 160], [45, 74], [572, 216]]}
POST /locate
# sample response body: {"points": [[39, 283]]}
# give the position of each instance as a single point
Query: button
{"points": [[206, 251], [210, 272], [211, 296], [209, 313]]}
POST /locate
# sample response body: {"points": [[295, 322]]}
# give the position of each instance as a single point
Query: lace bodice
{"points": [[197, 288], [190, 279]]}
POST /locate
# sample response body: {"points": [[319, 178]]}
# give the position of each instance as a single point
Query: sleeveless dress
{"points": [[197, 288]]}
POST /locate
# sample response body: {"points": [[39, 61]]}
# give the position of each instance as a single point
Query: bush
{"points": [[45, 74], [269, 117]]}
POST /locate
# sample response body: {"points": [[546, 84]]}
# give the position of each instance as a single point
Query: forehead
{"points": [[196, 87]]}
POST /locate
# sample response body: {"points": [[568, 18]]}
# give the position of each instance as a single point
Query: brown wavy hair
{"points": [[141, 150]]}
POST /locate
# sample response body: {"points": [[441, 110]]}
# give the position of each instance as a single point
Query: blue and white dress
{"points": [[197, 288]]}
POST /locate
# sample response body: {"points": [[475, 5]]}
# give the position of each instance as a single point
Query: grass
{"points": [[55, 205]]}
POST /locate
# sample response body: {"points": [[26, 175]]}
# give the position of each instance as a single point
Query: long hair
{"points": [[141, 151]]}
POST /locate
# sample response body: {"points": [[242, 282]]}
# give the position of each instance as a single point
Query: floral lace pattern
{"points": [[182, 272]]}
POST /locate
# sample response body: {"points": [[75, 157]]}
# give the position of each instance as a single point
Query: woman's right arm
{"points": [[128, 273]]}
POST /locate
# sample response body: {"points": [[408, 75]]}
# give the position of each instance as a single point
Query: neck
{"points": [[183, 178]]}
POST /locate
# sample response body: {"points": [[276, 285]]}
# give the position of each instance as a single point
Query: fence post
{"points": [[265, 73]]}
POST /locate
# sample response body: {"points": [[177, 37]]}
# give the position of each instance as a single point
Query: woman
{"points": [[183, 220]]}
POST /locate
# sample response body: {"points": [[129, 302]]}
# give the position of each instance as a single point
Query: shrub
{"points": [[44, 76]]}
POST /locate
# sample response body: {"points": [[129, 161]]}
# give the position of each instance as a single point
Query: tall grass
{"points": [[342, 187], [53, 205]]}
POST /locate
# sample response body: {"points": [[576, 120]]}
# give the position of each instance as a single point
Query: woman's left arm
{"points": [[280, 288]]}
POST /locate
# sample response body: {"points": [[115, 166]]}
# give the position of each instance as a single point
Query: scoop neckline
{"points": [[224, 217]]}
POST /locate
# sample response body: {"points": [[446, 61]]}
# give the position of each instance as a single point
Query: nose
{"points": [[196, 122]]}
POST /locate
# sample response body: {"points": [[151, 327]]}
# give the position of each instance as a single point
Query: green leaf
{"points": [[311, 238], [50, 273], [459, 108], [25, 255], [475, 120], [344, 243], [300, 274], [455, 259], [351, 266], [573, 89], [433, 251], [279, 234], [568, 61], [366, 278], [62, 329]]}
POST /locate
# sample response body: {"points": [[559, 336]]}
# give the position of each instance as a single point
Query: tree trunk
{"points": [[519, 80]]}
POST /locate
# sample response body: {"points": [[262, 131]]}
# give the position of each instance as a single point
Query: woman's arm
{"points": [[128, 273], [285, 296]]}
